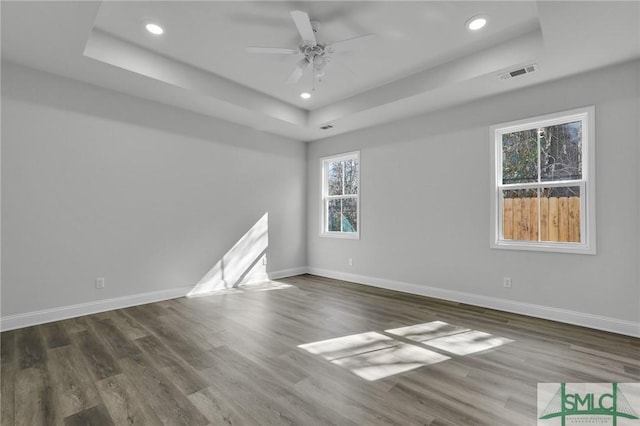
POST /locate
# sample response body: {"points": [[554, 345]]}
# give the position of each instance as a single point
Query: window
{"points": [[543, 183], [341, 196]]}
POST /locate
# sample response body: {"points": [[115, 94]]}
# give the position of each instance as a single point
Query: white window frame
{"points": [[324, 205], [587, 184]]}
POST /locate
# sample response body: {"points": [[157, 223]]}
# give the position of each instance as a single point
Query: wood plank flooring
{"points": [[235, 359]]}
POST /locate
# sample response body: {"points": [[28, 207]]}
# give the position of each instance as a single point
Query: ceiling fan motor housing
{"points": [[311, 52], [315, 55]]}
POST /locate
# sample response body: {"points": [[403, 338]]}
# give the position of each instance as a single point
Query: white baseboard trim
{"points": [[12, 322], [614, 325], [288, 273]]}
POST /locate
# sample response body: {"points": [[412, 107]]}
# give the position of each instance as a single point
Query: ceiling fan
{"points": [[315, 56]]}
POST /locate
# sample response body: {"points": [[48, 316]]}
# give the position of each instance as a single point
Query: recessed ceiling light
{"points": [[305, 95], [154, 29], [476, 23]]}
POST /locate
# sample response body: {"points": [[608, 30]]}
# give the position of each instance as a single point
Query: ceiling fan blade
{"points": [[298, 71], [275, 50], [301, 19], [350, 43]]}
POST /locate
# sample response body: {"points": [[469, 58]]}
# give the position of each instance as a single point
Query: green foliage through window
{"points": [[543, 154]]}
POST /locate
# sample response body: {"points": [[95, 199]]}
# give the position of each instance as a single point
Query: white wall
{"points": [[100, 184], [425, 203], [96, 183]]}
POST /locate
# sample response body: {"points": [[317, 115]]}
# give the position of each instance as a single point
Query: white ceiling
{"points": [[422, 59]]}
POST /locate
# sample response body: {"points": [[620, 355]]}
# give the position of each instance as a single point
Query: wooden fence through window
{"points": [[559, 219]]}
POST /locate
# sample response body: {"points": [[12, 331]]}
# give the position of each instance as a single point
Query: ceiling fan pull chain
{"points": [[313, 75]]}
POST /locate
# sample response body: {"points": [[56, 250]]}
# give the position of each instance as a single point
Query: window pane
{"points": [[334, 175], [349, 215], [555, 216], [561, 152], [351, 176], [520, 156], [520, 215], [334, 216], [341, 191], [560, 214]]}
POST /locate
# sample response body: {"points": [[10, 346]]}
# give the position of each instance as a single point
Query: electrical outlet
{"points": [[350, 262], [99, 282], [264, 260], [507, 282]]}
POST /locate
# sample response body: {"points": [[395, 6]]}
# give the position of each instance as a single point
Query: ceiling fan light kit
{"points": [[315, 56]]}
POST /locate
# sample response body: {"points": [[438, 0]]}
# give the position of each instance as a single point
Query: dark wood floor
{"points": [[234, 359]]}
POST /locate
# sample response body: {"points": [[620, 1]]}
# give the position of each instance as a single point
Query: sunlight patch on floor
{"points": [[426, 331], [265, 286], [450, 338], [467, 343], [390, 361], [248, 288], [374, 355], [355, 344]]}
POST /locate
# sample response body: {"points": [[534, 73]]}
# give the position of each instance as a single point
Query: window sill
{"points": [[572, 248], [341, 235]]}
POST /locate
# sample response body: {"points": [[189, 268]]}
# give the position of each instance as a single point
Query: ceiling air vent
{"points": [[327, 127], [519, 71]]}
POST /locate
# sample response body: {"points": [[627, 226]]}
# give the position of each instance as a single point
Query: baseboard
{"points": [[614, 325], [12, 322], [65, 312], [288, 273]]}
